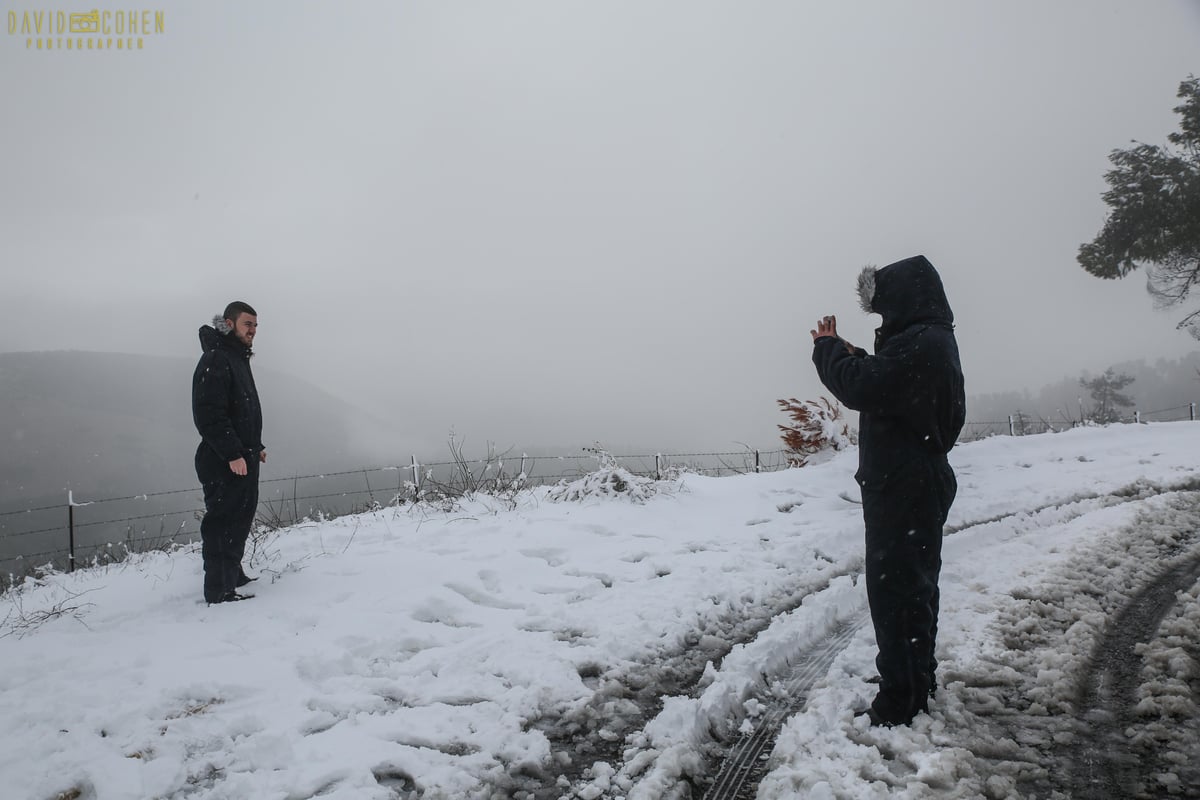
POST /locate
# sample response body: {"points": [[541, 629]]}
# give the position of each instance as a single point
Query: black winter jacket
{"points": [[225, 403], [910, 393]]}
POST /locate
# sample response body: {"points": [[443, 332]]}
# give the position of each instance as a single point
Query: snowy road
{"points": [[1111, 706], [605, 649], [1109, 702], [1078, 692], [1087, 754]]}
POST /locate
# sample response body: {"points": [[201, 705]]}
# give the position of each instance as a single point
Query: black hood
{"points": [[209, 338], [910, 292], [219, 334]]}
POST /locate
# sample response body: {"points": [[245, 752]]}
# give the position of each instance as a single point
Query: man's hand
{"points": [[262, 456], [238, 466], [826, 326]]}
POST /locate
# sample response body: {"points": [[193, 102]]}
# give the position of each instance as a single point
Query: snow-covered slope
{"points": [[610, 649]]}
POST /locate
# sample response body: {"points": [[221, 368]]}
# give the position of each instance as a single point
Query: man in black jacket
{"points": [[228, 417], [912, 407]]}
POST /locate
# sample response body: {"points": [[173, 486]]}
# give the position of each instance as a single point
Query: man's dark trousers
{"points": [[230, 502], [904, 519]]}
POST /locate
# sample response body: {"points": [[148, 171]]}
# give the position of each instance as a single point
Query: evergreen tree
{"points": [[1154, 197], [1106, 396]]}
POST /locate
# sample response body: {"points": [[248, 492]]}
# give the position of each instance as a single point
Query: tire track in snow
{"points": [[739, 773], [1103, 765], [627, 708], [1132, 493], [1071, 706], [742, 768], [626, 702]]}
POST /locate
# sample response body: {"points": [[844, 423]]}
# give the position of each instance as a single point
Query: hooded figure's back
{"points": [[910, 393]]}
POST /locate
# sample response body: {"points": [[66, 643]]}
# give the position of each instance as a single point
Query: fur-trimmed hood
{"points": [[910, 392], [220, 333], [866, 288], [905, 293]]}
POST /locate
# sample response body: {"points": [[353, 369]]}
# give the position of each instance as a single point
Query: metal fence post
{"points": [[416, 477], [757, 462], [1011, 430], [70, 531], [658, 466], [1192, 411]]}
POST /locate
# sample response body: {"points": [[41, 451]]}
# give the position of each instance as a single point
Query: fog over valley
{"points": [[550, 225]]}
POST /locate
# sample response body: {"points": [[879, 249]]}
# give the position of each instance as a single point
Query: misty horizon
{"points": [[574, 223]]}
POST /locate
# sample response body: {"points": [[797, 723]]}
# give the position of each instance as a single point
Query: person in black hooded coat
{"points": [[912, 407], [228, 416]]}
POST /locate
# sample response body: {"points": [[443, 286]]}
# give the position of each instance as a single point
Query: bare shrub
{"points": [[469, 478], [20, 622]]}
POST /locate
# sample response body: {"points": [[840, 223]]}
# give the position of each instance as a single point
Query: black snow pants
{"points": [[230, 502], [904, 519]]}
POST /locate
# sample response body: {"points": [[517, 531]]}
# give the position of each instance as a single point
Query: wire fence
{"points": [[75, 533], [105, 530], [1020, 424]]}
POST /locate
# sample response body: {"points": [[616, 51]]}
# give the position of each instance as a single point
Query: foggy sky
{"points": [[569, 221]]}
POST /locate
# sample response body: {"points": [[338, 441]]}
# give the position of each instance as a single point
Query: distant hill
{"points": [[110, 424]]}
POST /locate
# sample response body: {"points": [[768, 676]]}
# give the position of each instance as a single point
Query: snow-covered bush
{"points": [[817, 426], [610, 479]]}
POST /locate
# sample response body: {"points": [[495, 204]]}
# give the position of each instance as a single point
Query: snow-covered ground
{"points": [[601, 648]]}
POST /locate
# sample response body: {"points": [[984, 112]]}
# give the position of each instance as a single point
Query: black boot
{"points": [[231, 597]]}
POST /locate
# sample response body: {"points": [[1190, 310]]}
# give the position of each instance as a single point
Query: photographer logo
{"points": [[98, 29]]}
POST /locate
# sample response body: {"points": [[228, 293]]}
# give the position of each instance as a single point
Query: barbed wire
{"points": [[426, 469], [187, 511], [92, 523], [284, 498], [397, 468], [93, 547], [326, 496], [19, 534], [708, 455], [25, 556], [1165, 410], [31, 510]]}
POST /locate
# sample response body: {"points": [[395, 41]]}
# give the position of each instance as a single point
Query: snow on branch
{"points": [[817, 426]]}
